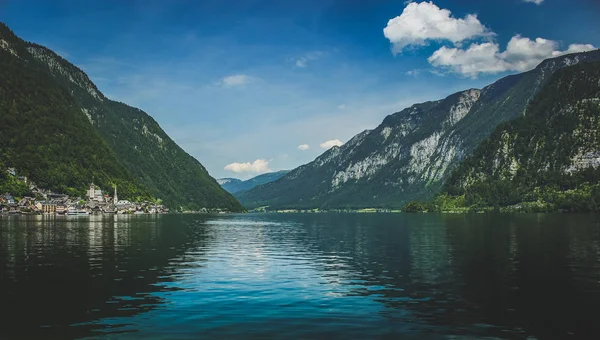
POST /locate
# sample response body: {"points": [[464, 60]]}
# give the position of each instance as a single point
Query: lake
{"points": [[301, 276]]}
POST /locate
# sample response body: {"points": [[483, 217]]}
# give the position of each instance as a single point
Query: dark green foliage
{"points": [[62, 133], [528, 159], [413, 206], [10, 184], [46, 137], [14, 187], [158, 163]]}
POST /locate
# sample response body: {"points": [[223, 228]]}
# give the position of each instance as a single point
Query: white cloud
{"points": [[341, 107], [303, 147], [478, 58], [413, 73], [437, 72], [331, 143], [576, 48], [521, 54], [235, 80], [537, 2], [258, 166], [304, 60], [421, 22]]}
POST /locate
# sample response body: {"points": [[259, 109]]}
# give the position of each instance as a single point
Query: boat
{"points": [[73, 212]]}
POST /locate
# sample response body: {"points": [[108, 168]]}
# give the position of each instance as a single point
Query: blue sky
{"points": [[242, 84]]}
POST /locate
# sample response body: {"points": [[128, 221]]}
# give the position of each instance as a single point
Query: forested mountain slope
{"points": [[44, 134], [412, 152], [548, 158], [65, 132]]}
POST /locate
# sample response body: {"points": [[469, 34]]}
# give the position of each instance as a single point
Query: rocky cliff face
{"points": [[552, 150], [412, 152]]}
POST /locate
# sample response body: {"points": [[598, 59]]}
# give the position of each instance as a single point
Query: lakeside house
{"points": [[46, 207], [8, 199]]}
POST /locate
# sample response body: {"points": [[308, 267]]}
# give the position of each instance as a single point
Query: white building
{"points": [[115, 198], [94, 193]]}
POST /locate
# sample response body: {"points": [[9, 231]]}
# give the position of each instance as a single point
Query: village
{"points": [[95, 201]]}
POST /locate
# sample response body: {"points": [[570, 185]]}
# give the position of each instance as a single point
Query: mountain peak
{"points": [[568, 60], [412, 152]]}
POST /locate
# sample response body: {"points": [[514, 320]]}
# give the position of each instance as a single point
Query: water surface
{"points": [[320, 276]]}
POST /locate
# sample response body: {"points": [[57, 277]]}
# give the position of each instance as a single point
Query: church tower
{"points": [[115, 198]]}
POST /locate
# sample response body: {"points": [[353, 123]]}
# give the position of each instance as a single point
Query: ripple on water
{"points": [[301, 276]]}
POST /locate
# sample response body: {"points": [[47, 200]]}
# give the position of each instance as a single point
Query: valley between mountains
{"points": [[528, 141]]}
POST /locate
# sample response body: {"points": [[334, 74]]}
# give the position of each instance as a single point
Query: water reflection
{"points": [[68, 270], [311, 276]]}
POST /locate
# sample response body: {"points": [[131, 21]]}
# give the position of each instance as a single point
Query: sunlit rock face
{"points": [[548, 154], [59, 68], [413, 151]]}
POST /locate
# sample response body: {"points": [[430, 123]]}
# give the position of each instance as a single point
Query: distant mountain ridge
{"points": [[86, 136], [236, 186], [222, 181], [411, 154]]}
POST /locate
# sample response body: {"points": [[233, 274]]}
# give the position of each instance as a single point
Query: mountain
{"points": [[235, 186], [548, 159], [45, 135], [223, 181], [412, 152], [63, 133]]}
